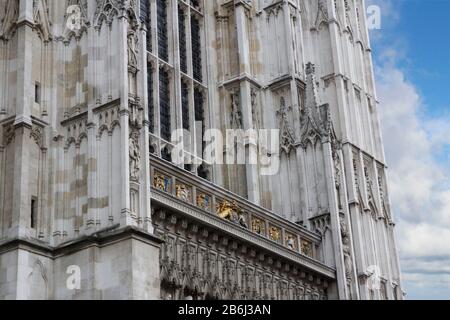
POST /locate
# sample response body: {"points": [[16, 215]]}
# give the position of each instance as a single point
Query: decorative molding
{"points": [[82, 22], [287, 135], [243, 234], [9, 14], [315, 119], [42, 23]]}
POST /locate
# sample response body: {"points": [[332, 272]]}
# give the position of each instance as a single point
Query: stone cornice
{"points": [[242, 234], [100, 239], [256, 210]]}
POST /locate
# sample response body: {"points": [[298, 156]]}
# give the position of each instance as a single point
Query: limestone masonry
{"points": [[92, 203]]}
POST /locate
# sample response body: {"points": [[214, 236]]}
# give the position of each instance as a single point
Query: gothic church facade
{"points": [[92, 203]]}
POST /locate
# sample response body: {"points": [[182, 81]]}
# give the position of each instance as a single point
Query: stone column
{"points": [[21, 198], [242, 9], [122, 41], [335, 221], [145, 138]]}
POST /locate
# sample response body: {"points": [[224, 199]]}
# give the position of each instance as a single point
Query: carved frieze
{"points": [[230, 211], [224, 269], [162, 182], [183, 192], [259, 226], [204, 201]]}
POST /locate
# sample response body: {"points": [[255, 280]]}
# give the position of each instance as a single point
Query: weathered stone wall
{"points": [[78, 120]]}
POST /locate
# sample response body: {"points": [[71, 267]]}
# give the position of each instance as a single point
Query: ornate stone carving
{"points": [[80, 24], [183, 192], [41, 19], [306, 248], [322, 14], [255, 110], [204, 201], [232, 212], [37, 134], [9, 13], [346, 250], [161, 182], [108, 120], [321, 224], [132, 45], [105, 11], [259, 226], [291, 242], [135, 155], [236, 113], [76, 131], [9, 133], [207, 271], [287, 135], [274, 234], [315, 120]]}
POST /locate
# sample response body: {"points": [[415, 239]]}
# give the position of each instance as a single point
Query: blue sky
{"points": [[412, 66]]}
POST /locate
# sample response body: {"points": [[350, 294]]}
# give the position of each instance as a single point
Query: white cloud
{"points": [[419, 181]]}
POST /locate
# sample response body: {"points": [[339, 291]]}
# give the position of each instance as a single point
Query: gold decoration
{"points": [[183, 192], [258, 226], [161, 182], [307, 248], [274, 234], [231, 212]]}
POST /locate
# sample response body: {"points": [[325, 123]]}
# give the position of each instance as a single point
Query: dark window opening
{"points": [[182, 36], [185, 105], [196, 49], [166, 155], [33, 213], [199, 111], [164, 104], [146, 20], [163, 40], [195, 4], [202, 172], [37, 92], [151, 115]]}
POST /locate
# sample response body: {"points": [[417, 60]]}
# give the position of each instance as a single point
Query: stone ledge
{"points": [[100, 239]]}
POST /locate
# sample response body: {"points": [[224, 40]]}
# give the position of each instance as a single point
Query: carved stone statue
{"points": [[135, 156], [183, 192], [231, 212]]}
